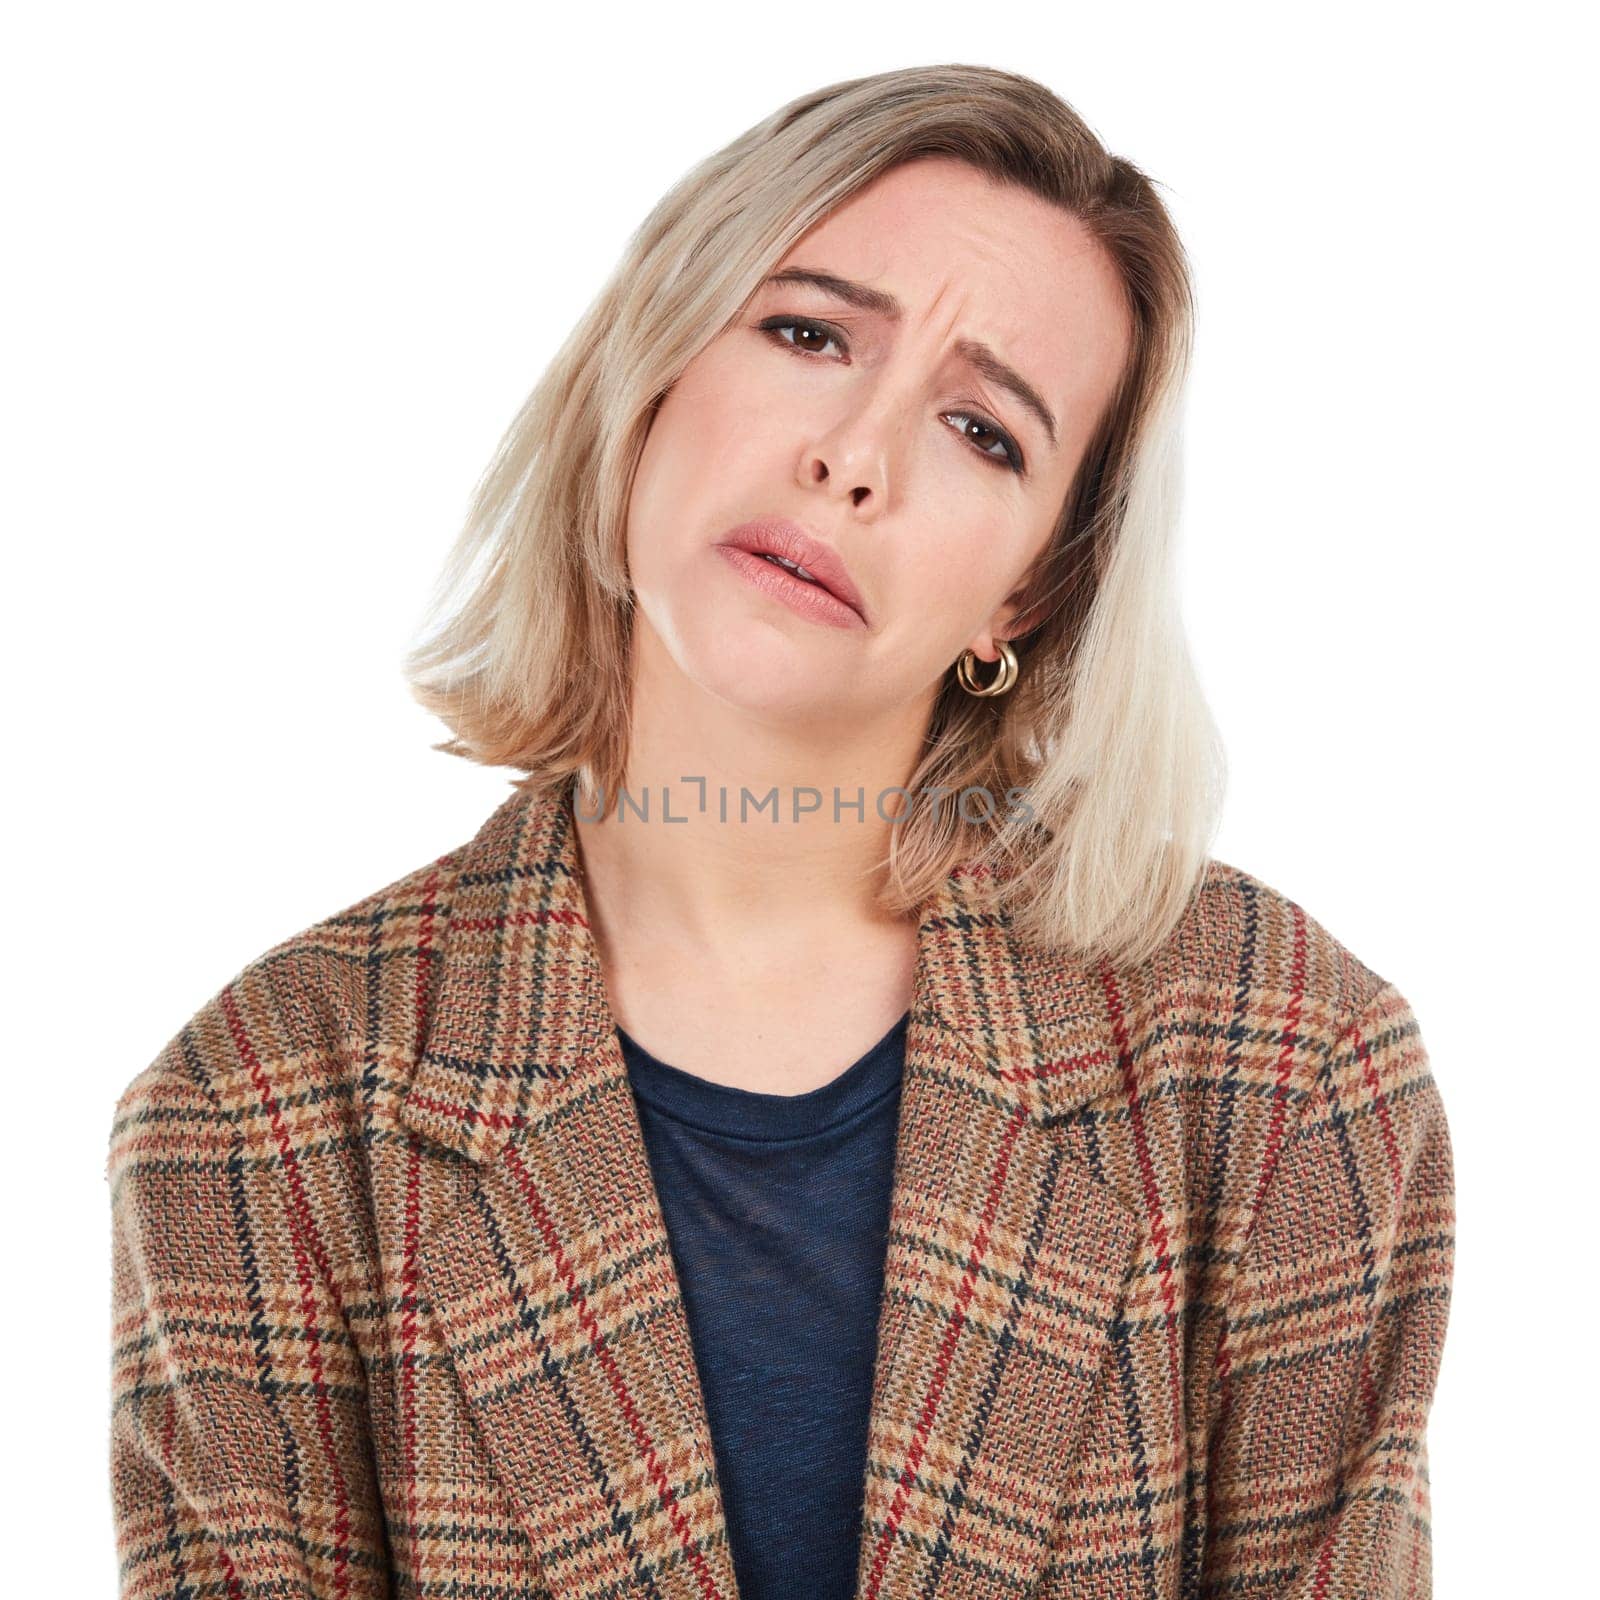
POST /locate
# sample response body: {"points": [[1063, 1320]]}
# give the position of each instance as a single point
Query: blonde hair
{"points": [[1105, 731]]}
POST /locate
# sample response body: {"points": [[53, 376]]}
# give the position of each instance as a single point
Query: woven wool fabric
{"points": [[394, 1311]]}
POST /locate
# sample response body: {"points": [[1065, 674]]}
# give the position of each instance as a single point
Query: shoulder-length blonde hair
{"points": [[526, 659]]}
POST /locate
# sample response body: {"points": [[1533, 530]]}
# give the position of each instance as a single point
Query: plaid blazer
{"points": [[395, 1312]]}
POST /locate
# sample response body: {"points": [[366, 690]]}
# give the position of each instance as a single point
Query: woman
{"points": [[833, 1131]]}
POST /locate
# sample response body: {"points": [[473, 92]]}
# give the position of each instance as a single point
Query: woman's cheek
{"points": [[957, 576]]}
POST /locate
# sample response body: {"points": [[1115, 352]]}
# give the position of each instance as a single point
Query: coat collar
{"points": [[554, 1288], [522, 997]]}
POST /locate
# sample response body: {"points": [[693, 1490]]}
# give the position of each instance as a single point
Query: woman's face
{"points": [[865, 413]]}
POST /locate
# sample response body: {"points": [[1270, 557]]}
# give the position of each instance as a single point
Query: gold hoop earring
{"points": [[1003, 679]]}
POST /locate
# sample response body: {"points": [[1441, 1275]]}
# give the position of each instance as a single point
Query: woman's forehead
{"points": [[937, 243]]}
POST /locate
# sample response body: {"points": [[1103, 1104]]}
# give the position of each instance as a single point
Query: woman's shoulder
{"points": [[1242, 931], [1252, 988]]}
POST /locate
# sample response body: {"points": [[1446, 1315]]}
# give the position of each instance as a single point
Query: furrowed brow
{"points": [[985, 362], [979, 356]]}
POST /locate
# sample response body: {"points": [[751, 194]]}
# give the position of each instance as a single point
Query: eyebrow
{"points": [[973, 351]]}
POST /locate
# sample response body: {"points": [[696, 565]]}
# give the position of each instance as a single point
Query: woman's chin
{"points": [[770, 690], [768, 665]]}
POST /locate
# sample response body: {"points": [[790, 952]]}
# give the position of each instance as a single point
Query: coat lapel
{"points": [[553, 1286]]}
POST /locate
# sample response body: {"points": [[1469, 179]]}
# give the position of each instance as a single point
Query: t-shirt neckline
{"points": [[749, 1113]]}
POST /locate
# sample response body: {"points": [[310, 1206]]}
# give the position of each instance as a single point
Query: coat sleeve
{"points": [[1317, 1472], [241, 1460]]}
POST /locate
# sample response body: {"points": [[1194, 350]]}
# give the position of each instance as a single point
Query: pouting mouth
{"points": [[785, 544]]}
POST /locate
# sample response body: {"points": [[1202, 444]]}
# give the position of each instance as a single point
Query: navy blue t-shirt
{"points": [[777, 1210]]}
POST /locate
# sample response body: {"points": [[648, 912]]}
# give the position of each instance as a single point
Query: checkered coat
{"points": [[395, 1313]]}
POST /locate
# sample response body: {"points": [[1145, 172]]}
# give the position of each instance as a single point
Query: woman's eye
{"points": [[974, 427], [811, 338], [803, 331]]}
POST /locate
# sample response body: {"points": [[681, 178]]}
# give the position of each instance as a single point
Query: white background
{"points": [[278, 277]]}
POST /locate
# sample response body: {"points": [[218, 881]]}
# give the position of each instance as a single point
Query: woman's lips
{"points": [[809, 600], [792, 542]]}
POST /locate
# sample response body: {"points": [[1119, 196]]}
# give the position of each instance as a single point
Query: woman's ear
{"points": [[1009, 621]]}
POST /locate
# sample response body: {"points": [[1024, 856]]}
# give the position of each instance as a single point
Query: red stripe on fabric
{"points": [[515, 919], [467, 1114], [301, 1210], [1380, 1103], [941, 1367], [1325, 1563], [608, 1363], [235, 1583], [1054, 1069], [1288, 1040]]}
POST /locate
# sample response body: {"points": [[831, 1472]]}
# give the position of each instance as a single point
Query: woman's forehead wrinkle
{"points": [[937, 325], [947, 336], [930, 316], [1008, 294]]}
